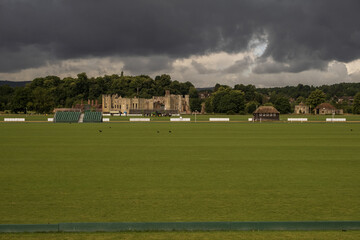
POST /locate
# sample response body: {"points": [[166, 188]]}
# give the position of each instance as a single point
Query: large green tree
{"points": [[356, 105], [226, 100], [5, 96], [282, 104], [195, 104], [251, 107], [208, 105], [82, 85], [42, 100], [315, 98], [249, 91], [195, 101], [20, 99]]}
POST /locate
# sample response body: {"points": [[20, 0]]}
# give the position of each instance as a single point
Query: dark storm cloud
{"points": [[201, 69], [25, 56], [308, 34], [239, 66], [147, 65], [300, 34], [299, 64]]}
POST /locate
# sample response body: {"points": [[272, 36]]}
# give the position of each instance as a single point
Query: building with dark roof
{"points": [[266, 113], [327, 108]]}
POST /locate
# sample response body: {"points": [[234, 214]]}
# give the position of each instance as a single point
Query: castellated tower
{"points": [[187, 104], [167, 100], [106, 103]]}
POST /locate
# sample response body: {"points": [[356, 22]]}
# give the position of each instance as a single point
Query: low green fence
{"points": [[181, 226], [18, 228]]}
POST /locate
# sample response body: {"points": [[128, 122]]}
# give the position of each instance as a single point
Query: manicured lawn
{"points": [[151, 172], [267, 235]]}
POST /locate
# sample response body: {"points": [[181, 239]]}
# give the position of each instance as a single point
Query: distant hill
{"points": [[14, 84]]}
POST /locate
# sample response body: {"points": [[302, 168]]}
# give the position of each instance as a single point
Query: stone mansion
{"points": [[168, 104]]}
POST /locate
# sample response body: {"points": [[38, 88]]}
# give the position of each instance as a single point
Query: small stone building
{"points": [[266, 113], [302, 109], [327, 108]]}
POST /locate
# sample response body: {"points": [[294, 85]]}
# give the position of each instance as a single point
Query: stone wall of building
{"points": [[169, 102], [302, 109]]}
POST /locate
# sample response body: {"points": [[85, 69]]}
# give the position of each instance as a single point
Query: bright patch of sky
{"points": [[353, 66]]}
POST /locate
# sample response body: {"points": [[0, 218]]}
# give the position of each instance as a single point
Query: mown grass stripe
{"points": [[182, 226]]}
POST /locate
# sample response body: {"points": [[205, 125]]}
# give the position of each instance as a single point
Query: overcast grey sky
{"points": [[260, 42]]}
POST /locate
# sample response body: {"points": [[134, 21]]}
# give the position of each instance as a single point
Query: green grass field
{"points": [[263, 235], [141, 172], [199, 117]]}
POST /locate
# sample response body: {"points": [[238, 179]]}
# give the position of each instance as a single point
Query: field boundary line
{"points": [[182, 226], [231, 121]]}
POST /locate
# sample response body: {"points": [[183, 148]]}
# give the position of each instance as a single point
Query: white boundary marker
{"points": [[50, 119], [297, 119], [179, 119], [336, 119], [139, 119], [219, 119], [106, 119], [14, 119]]}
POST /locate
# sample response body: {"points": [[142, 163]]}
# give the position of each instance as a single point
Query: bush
{"points": [[251, 107], [230, 112]]}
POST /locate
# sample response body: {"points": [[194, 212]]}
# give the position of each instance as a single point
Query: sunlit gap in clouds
{"points": [[353, 66]]}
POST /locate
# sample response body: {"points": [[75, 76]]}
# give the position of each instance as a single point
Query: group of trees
{"points": [[328, 93], [242, 99], [248, 97], [356, 105], [42, 95], [226, 100], [334, 90]]}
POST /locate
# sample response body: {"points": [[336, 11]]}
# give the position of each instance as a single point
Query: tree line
{"points": [[44, 94], [344, 96]]}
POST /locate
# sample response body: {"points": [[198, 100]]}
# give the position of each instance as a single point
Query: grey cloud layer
{"points": [[300, 34]]}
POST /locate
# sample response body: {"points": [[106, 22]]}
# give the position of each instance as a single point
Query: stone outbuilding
{"points": [[302, 109], [327, 108], [266, 113]]}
